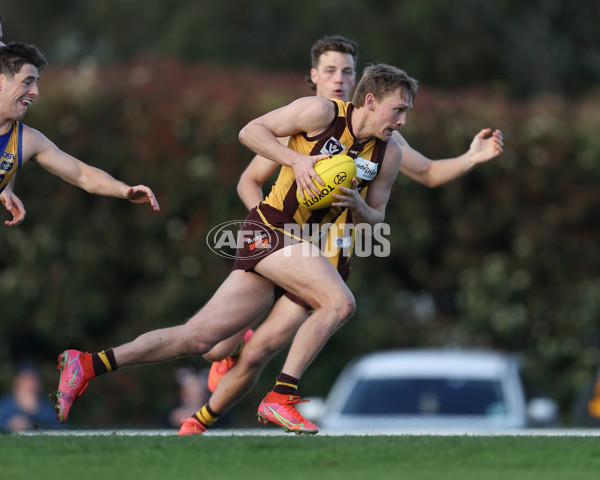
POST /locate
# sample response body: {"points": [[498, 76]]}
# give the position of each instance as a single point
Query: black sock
{"points": [[286, 384], [104, 361]]}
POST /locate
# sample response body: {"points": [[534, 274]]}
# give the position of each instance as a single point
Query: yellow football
{"points": [[336, 171]]}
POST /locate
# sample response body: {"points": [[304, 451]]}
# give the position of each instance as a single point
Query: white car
{"points": [[430, 389]]}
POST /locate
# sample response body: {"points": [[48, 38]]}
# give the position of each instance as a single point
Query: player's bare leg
{"points": [[271, 336], [224, 348], [318, 283], [240, 300], [224, 357]]}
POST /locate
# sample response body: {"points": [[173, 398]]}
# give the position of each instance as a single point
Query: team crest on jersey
{"points": [[365, 169], [6, 166], [332, 147]]}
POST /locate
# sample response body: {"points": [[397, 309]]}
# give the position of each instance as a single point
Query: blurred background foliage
{"points": [[503, 258], [516, 47]]}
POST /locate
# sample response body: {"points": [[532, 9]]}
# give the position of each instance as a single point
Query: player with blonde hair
{"points": [[332, 76], [248, 292]]}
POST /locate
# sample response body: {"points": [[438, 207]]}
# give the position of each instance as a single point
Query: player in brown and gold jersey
{"points": [[332, 76], [384, 96], [380, 105]]}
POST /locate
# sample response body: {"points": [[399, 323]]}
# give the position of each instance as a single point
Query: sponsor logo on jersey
{"points": [[365, 169], [260, 240]]}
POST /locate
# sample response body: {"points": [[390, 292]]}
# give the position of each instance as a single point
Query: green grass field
{"points": [[290, 457]]}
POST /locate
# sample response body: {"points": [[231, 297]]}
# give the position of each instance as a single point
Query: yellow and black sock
{"points": [[206, 415], [286, 384], [104, 361]]}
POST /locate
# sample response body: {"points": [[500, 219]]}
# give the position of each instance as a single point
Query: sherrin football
{"points": [[336, 171]]}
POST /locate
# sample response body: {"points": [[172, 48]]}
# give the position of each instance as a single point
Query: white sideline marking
{"points": [[257, 432]]}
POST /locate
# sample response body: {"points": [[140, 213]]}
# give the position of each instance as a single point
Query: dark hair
{"points": [[332, 43], [381, 80], [27, 366], [16, 54]]}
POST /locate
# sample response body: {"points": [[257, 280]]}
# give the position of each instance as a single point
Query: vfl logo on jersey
{"points": [[332, 147], [6, 166], [365, 169]]}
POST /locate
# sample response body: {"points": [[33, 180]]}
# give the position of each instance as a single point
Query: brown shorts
{"points": [[264, 231]]}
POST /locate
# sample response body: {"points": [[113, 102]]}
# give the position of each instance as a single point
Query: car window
{"points": [[426, 396]]}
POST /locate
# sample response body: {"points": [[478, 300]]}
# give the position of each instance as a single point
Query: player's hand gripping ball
{"points": [[336, 171]]}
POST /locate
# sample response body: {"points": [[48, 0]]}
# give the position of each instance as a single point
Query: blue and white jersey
{"points": [[11, 155]]}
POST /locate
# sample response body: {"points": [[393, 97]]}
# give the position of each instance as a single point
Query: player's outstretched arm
{"points": [[91, 179], [13, 204], [487, 144], [143, 194]]}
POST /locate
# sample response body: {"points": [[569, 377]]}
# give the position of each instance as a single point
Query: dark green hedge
{"points": [[502, 258]]}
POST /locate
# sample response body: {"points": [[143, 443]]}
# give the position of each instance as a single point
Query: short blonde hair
{"points": [[381, 80]]}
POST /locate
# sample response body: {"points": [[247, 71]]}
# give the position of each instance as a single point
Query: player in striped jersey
{"points": [[384, 96], [332, 75], [20, 68]]}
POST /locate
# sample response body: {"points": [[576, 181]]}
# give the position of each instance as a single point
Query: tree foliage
{"points": [[502, 258], [519, 48]]}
